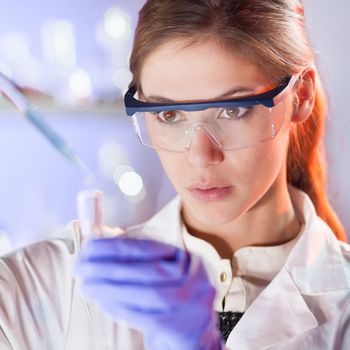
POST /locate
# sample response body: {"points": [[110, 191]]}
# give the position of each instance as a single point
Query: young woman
{"points": [[249, 254]]}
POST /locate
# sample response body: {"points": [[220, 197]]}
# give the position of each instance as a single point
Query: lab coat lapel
{"points": [[280, 312], [278, 315]]}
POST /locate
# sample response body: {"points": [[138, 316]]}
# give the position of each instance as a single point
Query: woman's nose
{"points": [[204, 150]]}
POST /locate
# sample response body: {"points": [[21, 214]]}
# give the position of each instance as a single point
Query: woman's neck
{"points": [[272, 221]]}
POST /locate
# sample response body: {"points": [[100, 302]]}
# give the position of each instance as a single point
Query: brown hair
{"points": [[269, 33]]}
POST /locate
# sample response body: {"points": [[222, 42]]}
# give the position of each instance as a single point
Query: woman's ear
{"points": [[304, 99]]}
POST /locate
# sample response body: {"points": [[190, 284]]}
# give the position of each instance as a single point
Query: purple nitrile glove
{"points": [[159, 289]]}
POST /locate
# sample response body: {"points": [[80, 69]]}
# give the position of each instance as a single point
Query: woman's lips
{"points": [[205, 194]]}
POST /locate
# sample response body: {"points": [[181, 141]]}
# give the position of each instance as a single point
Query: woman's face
{"points": [[217, 187]]}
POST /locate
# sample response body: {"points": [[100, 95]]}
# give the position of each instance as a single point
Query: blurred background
{"points": [[71, 60]]}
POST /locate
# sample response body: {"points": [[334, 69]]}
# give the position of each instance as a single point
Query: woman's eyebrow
{"points": [[230, 93]]}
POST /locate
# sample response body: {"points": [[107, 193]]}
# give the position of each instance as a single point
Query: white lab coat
{"points": [[305, 307]]}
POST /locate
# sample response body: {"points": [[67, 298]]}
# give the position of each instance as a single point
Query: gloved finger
{"points": [[132, 296], [174, 328], [146, 319], [149, 273], [163, 298], [128, 249], [139, 319], [193, 285]]}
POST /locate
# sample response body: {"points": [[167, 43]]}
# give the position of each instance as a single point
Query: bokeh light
{"points": [[117, 24], [59, 44], [131, 183], [15, 46], [15, 49], [80, 84], [115, 28]]}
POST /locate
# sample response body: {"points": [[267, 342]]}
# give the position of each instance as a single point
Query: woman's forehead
{"points": [[202, 71]]}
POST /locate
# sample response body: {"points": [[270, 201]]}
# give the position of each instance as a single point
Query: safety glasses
{"points": [[230, 123]]}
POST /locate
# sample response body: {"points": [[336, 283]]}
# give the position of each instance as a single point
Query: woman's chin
{"points": [[209, 215]]}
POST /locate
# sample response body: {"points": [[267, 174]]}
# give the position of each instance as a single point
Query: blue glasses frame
{"points": [[269, 99]]}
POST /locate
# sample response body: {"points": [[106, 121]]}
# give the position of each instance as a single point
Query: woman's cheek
{"points": [[258, 166]]}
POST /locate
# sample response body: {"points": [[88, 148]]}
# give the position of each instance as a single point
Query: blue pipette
{"points": [[13, 94]]}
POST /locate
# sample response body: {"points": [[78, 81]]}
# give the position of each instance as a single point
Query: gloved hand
{"points": [[156, 288]]}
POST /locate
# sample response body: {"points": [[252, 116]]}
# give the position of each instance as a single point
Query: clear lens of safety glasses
{"points": [[229, 128]]}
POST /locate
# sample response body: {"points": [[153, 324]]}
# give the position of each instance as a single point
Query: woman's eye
{"points": [[169, 117], [234, 112]]}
